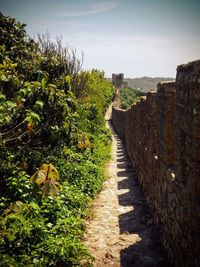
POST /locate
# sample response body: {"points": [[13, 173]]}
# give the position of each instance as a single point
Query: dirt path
{"points": [[121, 232]]}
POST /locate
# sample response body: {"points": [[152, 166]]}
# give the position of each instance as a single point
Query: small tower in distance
{"points": [[118, 80]]}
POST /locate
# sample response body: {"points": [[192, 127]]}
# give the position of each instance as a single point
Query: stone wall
{"points": [[162, 134]]}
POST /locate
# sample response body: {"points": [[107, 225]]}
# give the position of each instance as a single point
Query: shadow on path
{"points": [[121, 232], [148, 251]]}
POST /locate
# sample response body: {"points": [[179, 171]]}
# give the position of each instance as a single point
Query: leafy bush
{"points": [[53, 145], [128, 96]]}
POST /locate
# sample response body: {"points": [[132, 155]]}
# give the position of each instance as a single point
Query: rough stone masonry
{"points": [[162, 134]]}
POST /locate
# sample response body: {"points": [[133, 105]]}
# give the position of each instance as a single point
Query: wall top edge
{"points": [[193, 66]]}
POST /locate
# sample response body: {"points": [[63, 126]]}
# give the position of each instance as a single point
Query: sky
{"points": [[135, 37]]}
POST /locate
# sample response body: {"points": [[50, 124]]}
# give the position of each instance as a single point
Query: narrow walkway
{"points": [[121, 232]]}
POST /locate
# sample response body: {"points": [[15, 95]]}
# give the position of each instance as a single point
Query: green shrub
{"points": [[51, 114], [128, 96]]}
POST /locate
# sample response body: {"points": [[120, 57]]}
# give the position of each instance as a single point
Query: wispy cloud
{"points": [[91, 9], [122, 40]]}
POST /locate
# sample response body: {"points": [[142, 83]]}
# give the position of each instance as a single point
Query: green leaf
{"points": [[37, 84], [3, 78], [52, 86], [43, 83], [68, 79], [32, 117], [39, 104]]}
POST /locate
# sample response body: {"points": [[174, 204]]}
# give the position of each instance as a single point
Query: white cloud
{"points": [[92, 9]]}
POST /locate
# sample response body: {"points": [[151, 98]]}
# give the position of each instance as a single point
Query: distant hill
{"points": [[146, 83]]}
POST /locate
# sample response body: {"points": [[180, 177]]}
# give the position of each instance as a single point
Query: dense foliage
{"points": [[53, 145], [128, 96]]}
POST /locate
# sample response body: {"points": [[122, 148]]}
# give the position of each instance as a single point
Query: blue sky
{"points": [[136, 37]]}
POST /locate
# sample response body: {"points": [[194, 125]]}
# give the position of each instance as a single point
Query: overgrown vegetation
{"points": [[128, 96], [53, 145]]}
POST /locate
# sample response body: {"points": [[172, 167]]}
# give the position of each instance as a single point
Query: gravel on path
{"points": [[121, 232]]}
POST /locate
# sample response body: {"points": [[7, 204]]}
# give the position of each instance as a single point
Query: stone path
{"points": [[121, 233]]}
